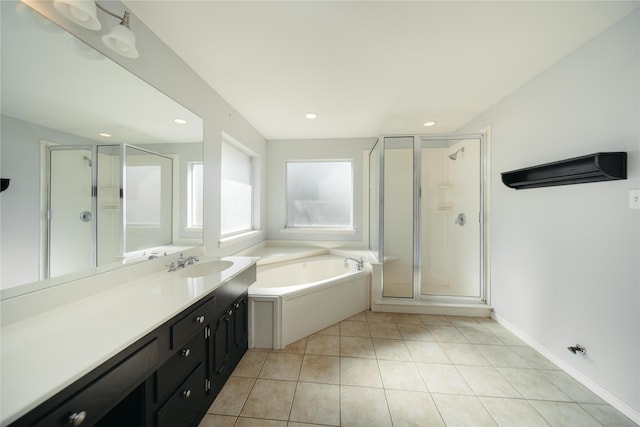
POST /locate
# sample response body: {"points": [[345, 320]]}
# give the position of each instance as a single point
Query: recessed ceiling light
{"points": [[105, 135], [430, 123], [180, 121], [311, 115]]}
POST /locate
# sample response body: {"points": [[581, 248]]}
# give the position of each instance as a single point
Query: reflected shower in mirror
{"points": [[80, 133]]}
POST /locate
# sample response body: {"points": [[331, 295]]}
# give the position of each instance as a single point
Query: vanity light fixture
{"points": [[105, 135], [180, 121], [120, 38], [430, 123], [311, 116]]}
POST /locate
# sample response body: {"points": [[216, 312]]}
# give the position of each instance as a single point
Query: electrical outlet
{"points": [[634, 199]]}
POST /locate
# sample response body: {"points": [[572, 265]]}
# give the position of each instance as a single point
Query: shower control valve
{"points": [[577, 349]]}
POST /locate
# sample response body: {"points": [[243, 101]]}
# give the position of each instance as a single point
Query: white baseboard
{"points": [[577, 375]]}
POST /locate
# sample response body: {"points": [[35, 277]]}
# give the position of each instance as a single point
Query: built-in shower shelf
{"points": [[444, 207], [591, 168]]}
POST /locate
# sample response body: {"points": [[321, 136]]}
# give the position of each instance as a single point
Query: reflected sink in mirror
{"points": [[205, 268]]}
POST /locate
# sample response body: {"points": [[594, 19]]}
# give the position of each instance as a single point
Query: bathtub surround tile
{"points": [[357, 347], [355, 371], [211, 420], [479, 335], [320, 369], [331, 330], [572, 388], [250, 364], [231, 398], [407, 319], [502, 356], [360, 406], [443, 379], [464, 354], [401, 376], [316, 404], [327, 345], [435, 320], [270, 399], [533, 385], [419, 332], [427, 352], [411, 408], [513, 412], [447, 334], [391, 349], [385, 330], [462, 411], [282, 366], [487, 381], [607, 415], [564, 414], [350, 328]]}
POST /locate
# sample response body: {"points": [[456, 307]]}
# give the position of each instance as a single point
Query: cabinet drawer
{"points": [[176, 369], [185, 404], [92, 403], [185, 328]]}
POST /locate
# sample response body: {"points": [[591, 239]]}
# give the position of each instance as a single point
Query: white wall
{"points": [[565, 261], [343, 149]]}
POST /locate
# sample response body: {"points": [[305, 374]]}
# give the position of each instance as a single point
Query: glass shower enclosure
{"points": [[426, 216]]}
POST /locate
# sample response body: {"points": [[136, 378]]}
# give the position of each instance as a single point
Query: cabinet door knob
{"points": [[77, 418], [236, 305], [186, 394], [200, 319], [186, 352]]}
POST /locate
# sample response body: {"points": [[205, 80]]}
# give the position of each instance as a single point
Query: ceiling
{"points": [[370, 67]]}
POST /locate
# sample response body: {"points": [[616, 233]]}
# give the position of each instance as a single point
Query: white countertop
{"points": [[43, 354]]}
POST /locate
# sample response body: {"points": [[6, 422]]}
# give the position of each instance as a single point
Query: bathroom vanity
{"points": [[152, 352]]}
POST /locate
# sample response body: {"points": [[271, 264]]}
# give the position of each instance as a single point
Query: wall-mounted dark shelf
{"points": [[594, 167]]}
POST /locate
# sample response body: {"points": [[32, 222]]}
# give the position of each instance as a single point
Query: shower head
{"points": [[454, 156]]}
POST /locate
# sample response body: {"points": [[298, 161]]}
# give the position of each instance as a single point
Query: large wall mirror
{"points": [[104, 169]]}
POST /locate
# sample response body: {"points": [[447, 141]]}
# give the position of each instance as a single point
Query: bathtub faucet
{"points": [[359, 263]]}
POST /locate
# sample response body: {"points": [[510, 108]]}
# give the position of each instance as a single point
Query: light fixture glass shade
{"points": [[81, 12], [121, 40]]}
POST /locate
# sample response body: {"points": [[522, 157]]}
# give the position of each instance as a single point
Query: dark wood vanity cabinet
{"points": [[169, 378]]}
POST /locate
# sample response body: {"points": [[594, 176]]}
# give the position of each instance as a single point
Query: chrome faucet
{"points": [[172, 266], [182, 261], [359, 263], [192, 259]]}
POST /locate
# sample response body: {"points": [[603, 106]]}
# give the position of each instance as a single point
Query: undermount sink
{"points": [[204, 269]]}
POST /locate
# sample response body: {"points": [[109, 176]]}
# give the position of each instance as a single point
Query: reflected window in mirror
{"points": [[195, 203]]}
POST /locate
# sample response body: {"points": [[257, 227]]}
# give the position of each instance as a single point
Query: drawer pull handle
{"points": [[77, 418], [200, 319], [229, 312], [236, 305], [186, 394], [186, 352]]}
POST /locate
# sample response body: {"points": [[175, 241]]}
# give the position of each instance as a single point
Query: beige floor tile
{"points": [[443, 379], [350, 328], [508, 338], [502, 357], [571, 387], [464, 354], [270, 399], [254, 422], [378, 316], [608, 416], [462, 411], [360, 372], [427, 352], [360, 317], [357, 347], [564, 414], [281, 366], [331, 330], [435, 320], [388, 349], [232, 396], [479, 335], [463, 321], [294, 424], [412, 409], [327, 345], [384, 330], [533, 385], [407, 319], [487, 381], [295, 347], [401, 376], [251, 364], [320, 369], [415, 332], [513, 412], [316, 404], [366, 407], [533, 358], [211, 420], [447, 334]]}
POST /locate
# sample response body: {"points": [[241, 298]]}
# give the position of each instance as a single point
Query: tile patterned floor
{"points": [[383, 369]]}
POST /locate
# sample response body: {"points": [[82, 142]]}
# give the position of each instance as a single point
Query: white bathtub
{"points": [[295, 298]]}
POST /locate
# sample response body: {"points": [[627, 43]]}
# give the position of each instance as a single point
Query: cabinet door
{"points": [[221, 353], [240, 328], [185, 404]]}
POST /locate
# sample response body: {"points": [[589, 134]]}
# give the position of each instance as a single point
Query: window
{"points": [[237, 192], [195, 193], [319, 194]]}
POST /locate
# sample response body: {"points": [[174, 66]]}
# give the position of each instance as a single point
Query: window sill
{"points": [[302, 230], [237, 238]]}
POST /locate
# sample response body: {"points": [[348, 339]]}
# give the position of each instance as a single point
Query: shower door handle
{"points": [[85, 216], [461, 220]]}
